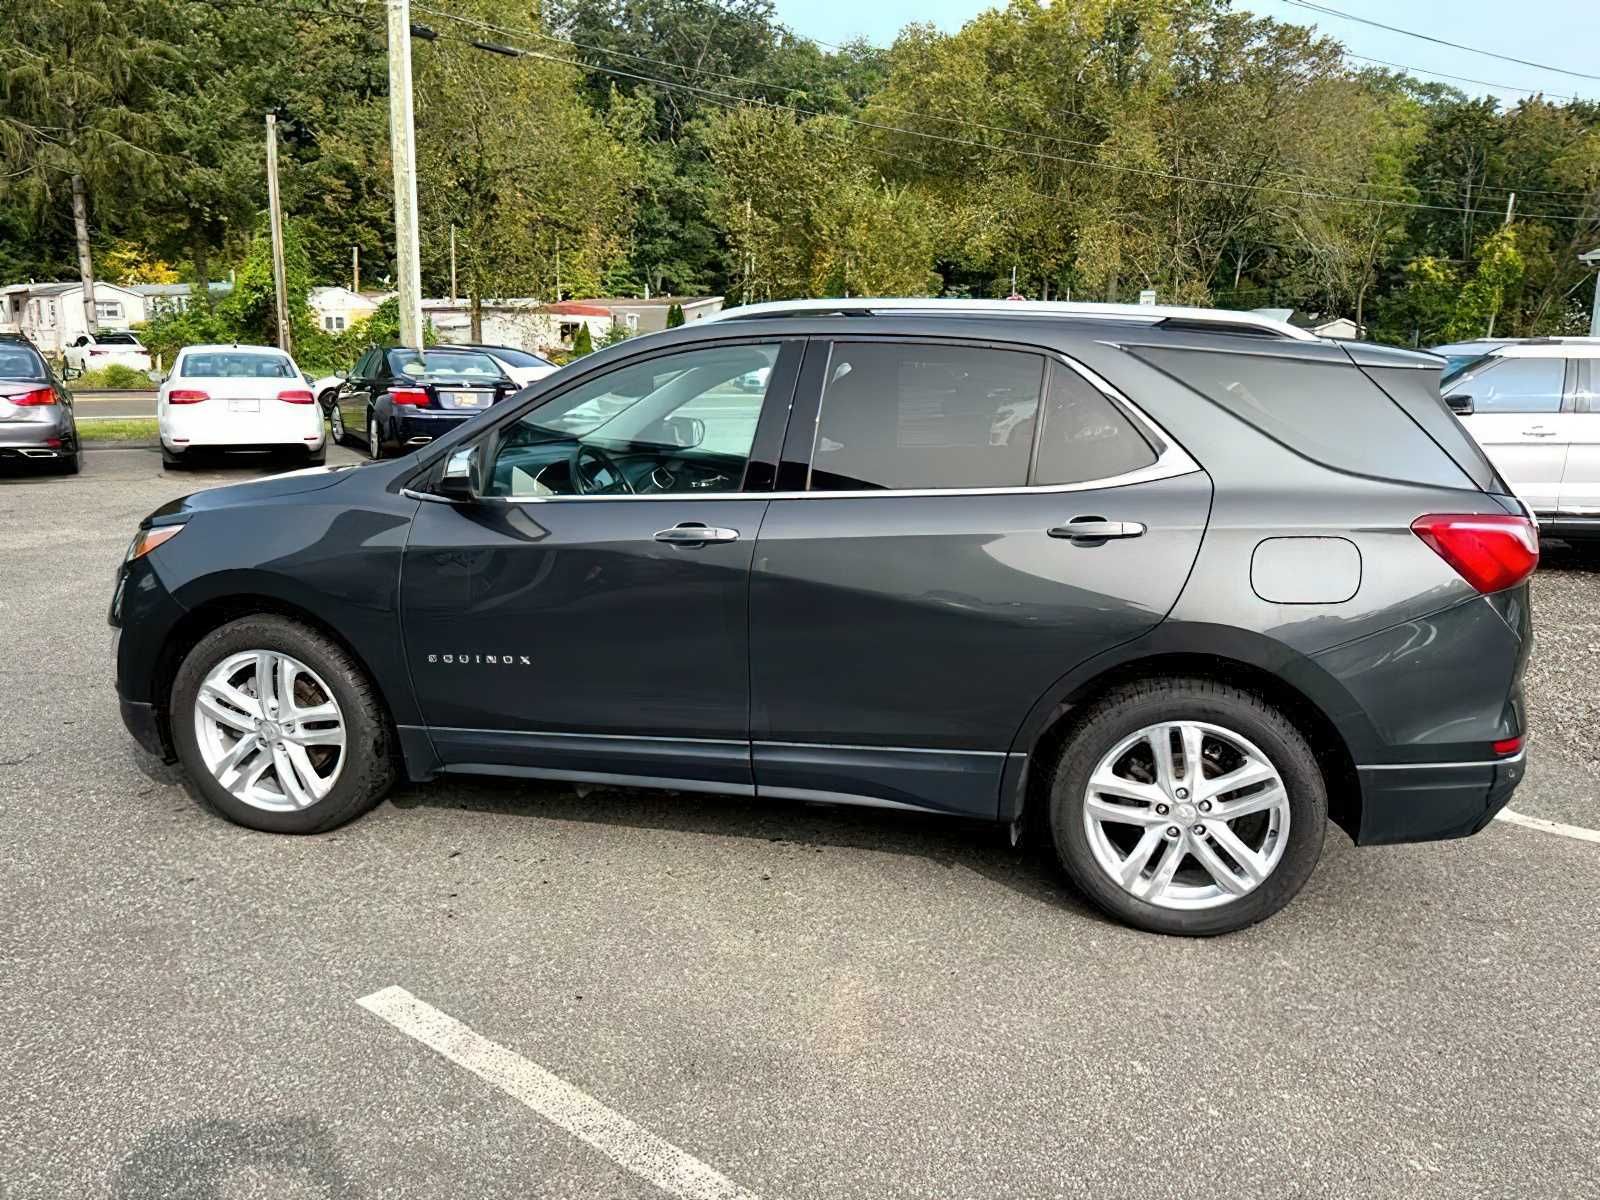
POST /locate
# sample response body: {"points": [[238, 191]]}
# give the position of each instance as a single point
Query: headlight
{"points": [[147, 540]]}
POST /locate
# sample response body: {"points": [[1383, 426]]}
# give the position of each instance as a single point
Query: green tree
{"points": [[75, 121], [582, 341], [674, 315]]}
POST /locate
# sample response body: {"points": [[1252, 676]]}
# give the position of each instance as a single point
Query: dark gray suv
{"points": [[1177, 585]]}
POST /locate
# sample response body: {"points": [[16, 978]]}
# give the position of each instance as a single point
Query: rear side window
{"points": [[1328, 412], [912, 415], [1085, 436], [1417, 392], [1513, 385]]}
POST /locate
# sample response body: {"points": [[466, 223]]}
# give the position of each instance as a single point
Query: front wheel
{"points": [[1187, 806], [278, 728], [374, 442]]}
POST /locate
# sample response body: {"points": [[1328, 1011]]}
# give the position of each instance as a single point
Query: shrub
{"points": [[674, 315], [582, 342], [113, 378]]}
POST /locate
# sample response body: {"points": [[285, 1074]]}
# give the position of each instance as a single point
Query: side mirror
{"points": [[682, 432], [1460, 404], [156, 377], [71, 372], [461, 481]]}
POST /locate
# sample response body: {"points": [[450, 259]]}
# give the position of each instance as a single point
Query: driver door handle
{"points": [[691, 533], [1096, 529]]}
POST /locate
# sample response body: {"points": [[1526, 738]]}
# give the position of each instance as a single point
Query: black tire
{"points": [[70, 464], [330, 408], [375, 447], [369, 767], [316, 458], [172, 461], [1132, 707]]}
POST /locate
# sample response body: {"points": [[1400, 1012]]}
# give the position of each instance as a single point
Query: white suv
{"points": [[1534, 407]]}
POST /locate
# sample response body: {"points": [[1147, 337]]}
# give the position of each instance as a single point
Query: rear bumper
{"points": [[45, 438], [1426, 802], [416, 427]]}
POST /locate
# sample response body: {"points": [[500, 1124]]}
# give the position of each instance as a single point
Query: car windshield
{"points": [[116, 339], [465, 365], [520, 358], [19, 362], [235, 364]]}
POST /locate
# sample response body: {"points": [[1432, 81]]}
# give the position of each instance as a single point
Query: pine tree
{"points": [[582, 342], [674, 315]]}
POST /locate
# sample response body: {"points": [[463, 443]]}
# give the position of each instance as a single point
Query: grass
{"points": [[118, 429], [112, 378]]}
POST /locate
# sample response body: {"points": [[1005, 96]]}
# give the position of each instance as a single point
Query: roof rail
{"points": [[1217, 320]]}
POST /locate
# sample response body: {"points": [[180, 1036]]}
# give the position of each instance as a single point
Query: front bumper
{"points": [[1425, 802]]}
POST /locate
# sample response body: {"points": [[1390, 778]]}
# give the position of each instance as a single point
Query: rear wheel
{"points": [[69, 464], [374, 442], [1186, 806], [335, 421], [278, 728], [171, 460]]}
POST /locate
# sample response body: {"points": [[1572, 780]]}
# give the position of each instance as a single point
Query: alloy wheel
{"points": [[374, 446], [1186, 815], [336, 423], [270, 730]]}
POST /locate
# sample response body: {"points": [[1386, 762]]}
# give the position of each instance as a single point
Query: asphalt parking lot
{"points": [[806, 1002]]}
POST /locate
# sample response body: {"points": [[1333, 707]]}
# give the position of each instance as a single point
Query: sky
{"points": [[1556, 33]]}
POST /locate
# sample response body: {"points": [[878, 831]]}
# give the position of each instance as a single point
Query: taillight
{"points": [[186, 396], [296, 396], [97, 353], [1508, 745], [34, 399], [1491, 553], [414, 396]]}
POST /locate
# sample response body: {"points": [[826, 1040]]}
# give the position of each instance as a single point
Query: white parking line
{"points": [[660, 1162], [1556, 827]]}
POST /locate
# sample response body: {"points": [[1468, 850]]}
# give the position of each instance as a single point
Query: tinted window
{"points": [[679, 422], [365, 366], [921, 416], [19, 362], [446, 364], [1513, 385], [520, 358], [1417, 392], [1085, 436], [1330, 413], [231, 364], [116, 339]]}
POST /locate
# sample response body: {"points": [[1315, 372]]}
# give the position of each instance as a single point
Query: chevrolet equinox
{"points": [[1181, 585]]}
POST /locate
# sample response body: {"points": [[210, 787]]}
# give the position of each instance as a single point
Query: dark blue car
{"points": [[398, 399]]}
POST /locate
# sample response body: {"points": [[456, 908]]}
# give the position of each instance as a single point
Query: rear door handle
{"points": [[1095, 529], [691, 533]]}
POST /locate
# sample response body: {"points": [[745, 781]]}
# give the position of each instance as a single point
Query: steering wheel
{"points": [[580, 480]]}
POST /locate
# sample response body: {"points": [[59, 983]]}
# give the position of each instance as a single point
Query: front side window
{"points": [[1513, 385], [913, 416], [680, 422], [365, 366]]}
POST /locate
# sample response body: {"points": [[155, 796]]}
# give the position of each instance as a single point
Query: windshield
{"points": [[464, 365], [18, 362], [234, 364]]}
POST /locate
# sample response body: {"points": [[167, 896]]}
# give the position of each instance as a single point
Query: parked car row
{"points": [[1178, 586]]}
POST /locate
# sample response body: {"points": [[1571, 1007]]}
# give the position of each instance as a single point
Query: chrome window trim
{"points": [[1171, 459]]}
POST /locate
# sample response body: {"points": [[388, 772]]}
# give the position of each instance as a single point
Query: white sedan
{"points": [[108, 348], [238, 398]]}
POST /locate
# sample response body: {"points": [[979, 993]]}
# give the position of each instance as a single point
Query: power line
{"points": [[1300, 193], [1311, 6], [1499, 87]]}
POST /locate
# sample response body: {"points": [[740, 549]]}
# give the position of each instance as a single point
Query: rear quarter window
{"points": [[1328, 412]]}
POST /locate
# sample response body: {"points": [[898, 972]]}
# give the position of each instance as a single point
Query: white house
{"points": [[51, 314], [336, 309], [171, 297], [650, 316]]}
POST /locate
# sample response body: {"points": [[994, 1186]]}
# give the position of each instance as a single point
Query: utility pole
{"points": [[452, 264], [402, 131], [558, 268], [355, 269], [1511, 204], [80, 221], [280, 286], [1592, 259]]}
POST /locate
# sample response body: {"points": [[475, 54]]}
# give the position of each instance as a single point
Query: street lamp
{"points": [[1592, 259]]}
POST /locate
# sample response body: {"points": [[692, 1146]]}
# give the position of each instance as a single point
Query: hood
{"points": [[252, 491]]}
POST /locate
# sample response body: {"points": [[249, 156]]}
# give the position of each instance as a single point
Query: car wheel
{"points": [[279, 729], [70, 464], [1186, 806], [335, 421], [316, 458], [374, 442], [171, 460]]}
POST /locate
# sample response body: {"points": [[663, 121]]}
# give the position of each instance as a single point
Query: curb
{"points": [[112, 444]]}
